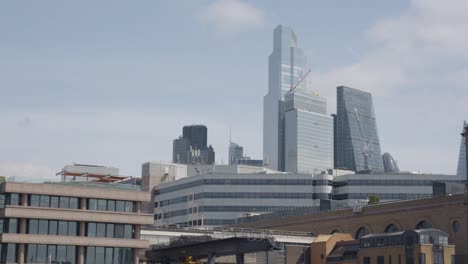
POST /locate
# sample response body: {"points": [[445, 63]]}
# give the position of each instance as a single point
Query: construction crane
{"points": [[293, 87], [366, 151]]}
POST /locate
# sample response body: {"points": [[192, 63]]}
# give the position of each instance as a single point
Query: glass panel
{"points": [[90, 254], [91, 229], [101, 230], [61, 253], [44, 201], [72, 228], [120, 206], [64, 202], [32, 226], [34, 200], [52, 253], [110, 230], [11, 252], [43, 226], [2, 200], [41, 253], [127, 258], [12, 225], [119, 231], [128, 206], [92, 204], [128, 232], [62, 229], [71, 256], [54, 202], [109, 255], [14, 199], [110, 205], [100, 255], [74, 204], [31, 253], [118, 253], [53, 227], [102, 205]]}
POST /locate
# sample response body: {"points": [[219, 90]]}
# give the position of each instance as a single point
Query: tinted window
{"points": [[31, 252], [74, 204], [41, 253], [52, 252], [12, 225], [61, 253], [102, 205], [90, 255], [91, 229], [109, 255], [32, 226], [72, 228], [53, 225], [43, 227], [34, 200], [64, 202], [101, 230], [44, 201], [128, 232], [92, 204], [128, 206], [54, 202], [99, 255], [111, 205], [120, 206], [71, 255], [119, 231], [62, 228], [14, 199], [110, 230]]}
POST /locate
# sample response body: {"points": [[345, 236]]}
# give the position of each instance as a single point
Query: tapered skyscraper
{"points": [[287, 64], [357, 140], [461, 169]]}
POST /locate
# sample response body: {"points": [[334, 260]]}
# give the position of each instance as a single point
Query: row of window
{"points": [[242, 195], [53, 201], [396, 182], [108, 255], [252, 209], [110, 205], [41, 253], [280, 182], [52, 227], [109, 230], [49, 201], [382, 196]]}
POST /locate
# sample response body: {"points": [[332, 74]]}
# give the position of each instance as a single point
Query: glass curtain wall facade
{"points": [[287, 64], [461, 169], [236, 153], [358, 145], [308, 134]]}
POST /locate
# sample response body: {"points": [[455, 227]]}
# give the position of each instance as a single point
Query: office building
{"points": [[388, 187], [181, 151], [72, 222], [287, 64], [461, 168], [192, 148], [197, 135], [308, 134], [247, 161], [358, 146], [236, 153], [390, 164], [220, 197]]}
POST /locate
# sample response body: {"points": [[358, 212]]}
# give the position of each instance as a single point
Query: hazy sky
{"points": [[113, 82]]}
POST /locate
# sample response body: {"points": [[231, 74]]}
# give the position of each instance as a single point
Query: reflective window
{"points": [[108, 255], [120, 206], [44, 201], [92, 204], [74, 203], [54, 202], [99, 255], [91, 229], [34, 200], [90, 255], [64, 202], [102, 205], [53, 227], [119, 231], [128, 206], [101, 230], [128, 231], [61, 253], [43, 227], [33, 226], [62, 228], [110, 205], [12, 225], [72, 228], [14, 199], [41, 253], [110, 230]]}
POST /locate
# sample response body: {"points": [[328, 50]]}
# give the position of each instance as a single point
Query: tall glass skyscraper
{"points": [[287, 64], [358, 146], [308, 134], [461, 169]]}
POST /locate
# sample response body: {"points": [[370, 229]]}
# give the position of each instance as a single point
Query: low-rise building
{"points": [[71, 222]]}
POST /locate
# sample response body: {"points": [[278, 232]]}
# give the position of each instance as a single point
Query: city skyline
{"points": [[110, 92]]}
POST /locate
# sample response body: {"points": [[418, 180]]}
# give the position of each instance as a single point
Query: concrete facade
{"points": [[19, 207]]}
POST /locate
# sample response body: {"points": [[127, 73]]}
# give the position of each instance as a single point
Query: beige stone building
{"points": [[71, 223]]}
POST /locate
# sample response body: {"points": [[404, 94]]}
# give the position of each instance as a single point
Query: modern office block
{"points": [[197, 136], [216, 198], [358, 146], [71, 222], [308, 134], [192, 148], [181, 151], [390, 164], [236, 153], [461, 168], [287, 64]]}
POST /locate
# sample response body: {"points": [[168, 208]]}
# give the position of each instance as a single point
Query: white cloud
{"points": [[232, 15], [406, 47]]}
